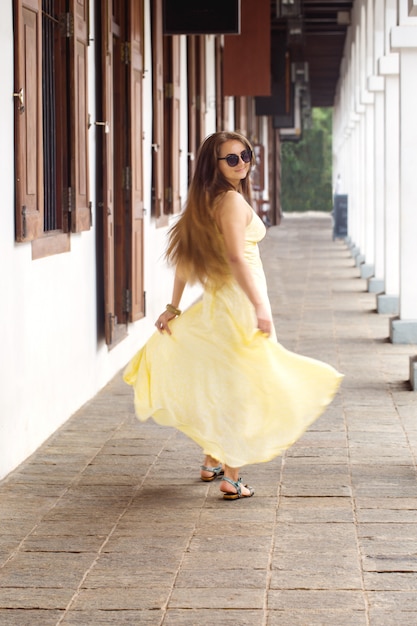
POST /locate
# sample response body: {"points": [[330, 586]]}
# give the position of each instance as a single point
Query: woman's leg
{"points": [[209, 462], [233, 474]]}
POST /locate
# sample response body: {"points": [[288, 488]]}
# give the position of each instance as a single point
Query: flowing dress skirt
{"points": [[238, 394]]}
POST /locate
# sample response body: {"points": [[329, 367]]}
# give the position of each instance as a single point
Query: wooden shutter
{"points": [[172, 123], [135, 80], [81, 218], [158, 114], [241, 114], [192, 104], [106, 141], [219, 83], [28, 119], [201, 88], [176, 125]]}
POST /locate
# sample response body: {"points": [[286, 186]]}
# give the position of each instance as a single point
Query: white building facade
{"points": [[101, 119]]}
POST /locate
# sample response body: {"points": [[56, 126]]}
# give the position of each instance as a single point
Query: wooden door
{"points": [[201, 88], [158, 207], [105, 139], [192, 104], [172, 124], [135, 152], [120, 138]]}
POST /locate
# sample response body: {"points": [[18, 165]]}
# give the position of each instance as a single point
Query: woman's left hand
{"points": [[264, 319], [162, 322]]}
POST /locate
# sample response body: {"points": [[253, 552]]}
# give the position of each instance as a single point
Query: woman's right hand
{"points": [[162, 322]]}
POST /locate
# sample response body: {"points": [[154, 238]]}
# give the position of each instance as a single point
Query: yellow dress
{"points": [[242, 397]]}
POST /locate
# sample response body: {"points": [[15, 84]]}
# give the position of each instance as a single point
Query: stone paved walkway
{"points": [[109, 524]]}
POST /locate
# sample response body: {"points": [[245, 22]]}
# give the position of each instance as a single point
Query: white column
{"points": [[388, 67], [377, 283], [352, 123], [368, 266], [388, 302], [367, 100], [362, 129], [376, 85], [404, 39]]}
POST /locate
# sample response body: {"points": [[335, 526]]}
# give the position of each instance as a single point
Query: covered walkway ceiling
{"points": [[316, 36]]}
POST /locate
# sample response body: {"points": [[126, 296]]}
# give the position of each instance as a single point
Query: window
{"points": [[119, 144], [51, 147], [166, 198]]}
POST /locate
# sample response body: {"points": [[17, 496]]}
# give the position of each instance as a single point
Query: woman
{"points": [[216, 372]]}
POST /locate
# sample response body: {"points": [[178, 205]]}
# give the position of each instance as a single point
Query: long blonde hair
{"points": [[195, 245]]}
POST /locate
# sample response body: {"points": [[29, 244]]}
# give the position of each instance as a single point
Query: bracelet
{"points": [[172, 309]]}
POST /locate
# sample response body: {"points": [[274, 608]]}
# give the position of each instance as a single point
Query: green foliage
{"points": [[306, 183]]}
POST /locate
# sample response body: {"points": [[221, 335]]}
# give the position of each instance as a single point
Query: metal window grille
{"points": [[49, 24]]}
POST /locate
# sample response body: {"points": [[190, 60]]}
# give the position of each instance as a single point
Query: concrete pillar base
{"points": [[359, 259], [413, 372], [367, 270], [403, 331], [388, 305], [376, 285]]}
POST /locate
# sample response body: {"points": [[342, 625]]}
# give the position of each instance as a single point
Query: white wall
{"points": [[50, 360]]}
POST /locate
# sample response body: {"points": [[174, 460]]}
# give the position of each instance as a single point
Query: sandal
{"points": [[238, 486], [216, 471]]}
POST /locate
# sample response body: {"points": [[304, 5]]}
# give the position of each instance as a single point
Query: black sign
{"points": [[188, 17], [340, 216]]}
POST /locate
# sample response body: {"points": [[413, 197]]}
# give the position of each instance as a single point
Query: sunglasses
{"points": [[233, 159]]}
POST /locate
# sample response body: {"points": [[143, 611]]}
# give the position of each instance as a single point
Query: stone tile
{"points": [[120, 599], [21, 617], [334, 617], [386, 515], [315, 538], [393, 601], [45, 570], [231, 543], [314, 455], [143, 573], [315, 510], [112, 618], [392, 617], [244, 530], [224, 560], [210, 598], [62, 543], [200, 617], [232, 511], [135, 527], [285, 600], [149, 521], [330, 577], [390, 581], [34, 598], [390, 563], [388, 532], [147, 542], [67, 527], [244, 577], [326, 488]]}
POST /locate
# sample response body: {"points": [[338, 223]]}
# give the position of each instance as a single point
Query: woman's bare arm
{"points": [[234, 214], [177, 291]]}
